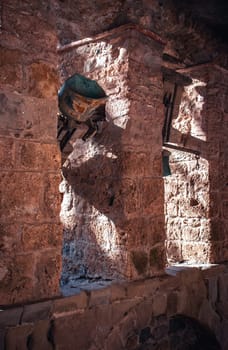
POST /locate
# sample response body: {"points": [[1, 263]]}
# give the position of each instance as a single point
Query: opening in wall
{"points": [[185, 170]]}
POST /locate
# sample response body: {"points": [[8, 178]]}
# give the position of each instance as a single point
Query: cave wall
{"points": [[30, 229]]}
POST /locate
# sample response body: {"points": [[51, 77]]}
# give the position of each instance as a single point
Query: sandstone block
{"points": [[74, 330], [47, 274], [42, 80], [36, 312], [51, 199], [113, 341], [18, 337], [42, 236], [10, 317], [152, 194], [159, 304], [7, 153], [40, 337], [121, 308], [143, 313], [140, 261], [99, 297], [12, 76], [21, 196], [78, 301], [36, 156], [39, 119], [118, 291], [17, 284], [128, 326]]}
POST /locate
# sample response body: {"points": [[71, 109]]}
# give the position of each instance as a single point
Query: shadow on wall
{"points": [[92, 245]]}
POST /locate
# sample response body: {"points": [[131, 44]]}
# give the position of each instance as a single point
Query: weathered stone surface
{"points": [[18, 337], [51, 200], [10, 317], [47, 273], [42, 80], [20, 195], [7, 153], [36, 156], [17, 281], [40, 337], [36, 312], [42, 236], [62, 305]]}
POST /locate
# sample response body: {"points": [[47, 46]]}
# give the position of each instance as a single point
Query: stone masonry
{"points": [[125, 316], [112, 213], [30, 230]]}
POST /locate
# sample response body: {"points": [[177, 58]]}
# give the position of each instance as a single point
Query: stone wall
{"points": [[158, 312], [30, 230], [196, 190], [112, 206]]}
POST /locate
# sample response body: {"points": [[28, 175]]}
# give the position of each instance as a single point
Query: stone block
{"points": [[51, 199], [196, 252], [71, 303], [74, 330], [212, 287], [42, 236], [10, 238], [36, 312], [12, 76], [40, 337], [11, 117], [152, 194], [143, 311], [223, 287], [42, 80], [7, 153], [17, 284], [113, 341], [140, 261], [39, 119], [18, 337], [173, 249], [118, 291], [159, 304], [128, 326], [209, 316], [10, 317], [122, 308], [21, 196], [99, 297], [172, 303], [47, 273], [103, 313], [136, 289], [157, 257], [37, 156]]}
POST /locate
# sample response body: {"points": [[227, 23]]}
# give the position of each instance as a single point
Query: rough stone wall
{"points": [[217, 151], [195, 200], [130, 316], [112, 207], [30, 231]]}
